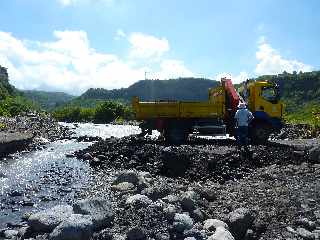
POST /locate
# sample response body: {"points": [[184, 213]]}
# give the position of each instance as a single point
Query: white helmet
{"points": [[242, 105]]}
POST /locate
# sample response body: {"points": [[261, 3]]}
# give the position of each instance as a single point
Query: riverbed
{"points": [[30, 181]]}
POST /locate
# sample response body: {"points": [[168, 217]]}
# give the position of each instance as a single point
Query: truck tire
{"points": [[259, 133]]}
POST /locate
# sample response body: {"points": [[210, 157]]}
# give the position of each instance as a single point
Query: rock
{"points": [[2, 175], [47, 220], [182, 222], [197, 215], [127, 176], [140, 180], [305, 234], [314, 154], [104, 234], [221, 234], [9, 234], [239, 221], [136, 234], [87, 156], [171, 199], [124, 187], [99, 209], [24, 232], [209, 194], [27, 202], [170, 212], [189, 200], [249, 235], [77, 226], [212, 224], [194, 234], [15, 193], [156, 192], [291, 230], [304, 222], [139, 201]]}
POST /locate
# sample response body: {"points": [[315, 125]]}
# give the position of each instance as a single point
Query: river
{"points": [[30, 181]]}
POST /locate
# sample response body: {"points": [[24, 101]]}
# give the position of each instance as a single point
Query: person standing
{"points": [[243, 117]]}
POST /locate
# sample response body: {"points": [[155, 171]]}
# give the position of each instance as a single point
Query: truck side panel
{"points": [[152, 110], [200, 110]]}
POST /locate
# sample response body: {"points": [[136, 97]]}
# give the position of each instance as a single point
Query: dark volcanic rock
{"points": [[100, 210]]}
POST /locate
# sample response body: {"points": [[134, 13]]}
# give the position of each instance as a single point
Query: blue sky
{"points": [[71, 45]]}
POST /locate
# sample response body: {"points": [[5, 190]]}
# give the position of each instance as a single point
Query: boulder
{"points": [[87, 156], [171, 198], [306, 223], [139, 201], [136, 233], [10, 234], [221, 234], [77, 226], [182, 222], [189, 200], [99, 209], [170, 211], [47, 220], [305, 234], [314, 154], [124, 187], [127, 176], [197, 215], [140, 180], [194, 234], [239, 221], [156, 192], [212, 224]]}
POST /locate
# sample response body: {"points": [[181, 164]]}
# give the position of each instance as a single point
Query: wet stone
{"points": [[182, 222]]}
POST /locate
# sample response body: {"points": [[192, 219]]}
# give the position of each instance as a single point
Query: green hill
{"points": [[192, 89], [48, 100]]}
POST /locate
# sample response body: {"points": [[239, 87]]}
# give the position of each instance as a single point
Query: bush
{"points": [[104, 112]]}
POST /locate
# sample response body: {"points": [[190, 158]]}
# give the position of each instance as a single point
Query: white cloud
{"points": [[147, 46], [271, 62], [70, 64], [235, 78]]}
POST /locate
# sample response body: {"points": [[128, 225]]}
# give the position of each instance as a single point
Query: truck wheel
{"points": [[260, 133]]}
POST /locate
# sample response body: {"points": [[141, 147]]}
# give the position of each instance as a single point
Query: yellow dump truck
{"points": [[177, 119]]}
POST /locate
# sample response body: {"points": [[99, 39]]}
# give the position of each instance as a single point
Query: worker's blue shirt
{"points": [[243, 117]]}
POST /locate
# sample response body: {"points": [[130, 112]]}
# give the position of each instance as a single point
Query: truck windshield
{"points": [[270, 94]]}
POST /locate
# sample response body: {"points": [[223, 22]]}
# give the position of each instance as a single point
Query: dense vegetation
{"points": [[12, 102], [48, 100], [301, 94], [104, 112]]}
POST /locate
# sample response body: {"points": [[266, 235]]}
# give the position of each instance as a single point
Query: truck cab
{"points": [[263, 101]]}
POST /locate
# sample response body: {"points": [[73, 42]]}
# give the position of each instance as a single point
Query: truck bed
{"points": [[177, 109]]}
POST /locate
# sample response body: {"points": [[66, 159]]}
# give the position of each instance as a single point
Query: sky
{"points": [[73, 45]]}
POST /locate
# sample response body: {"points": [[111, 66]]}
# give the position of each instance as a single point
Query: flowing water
{"points": [[30, 181]]}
